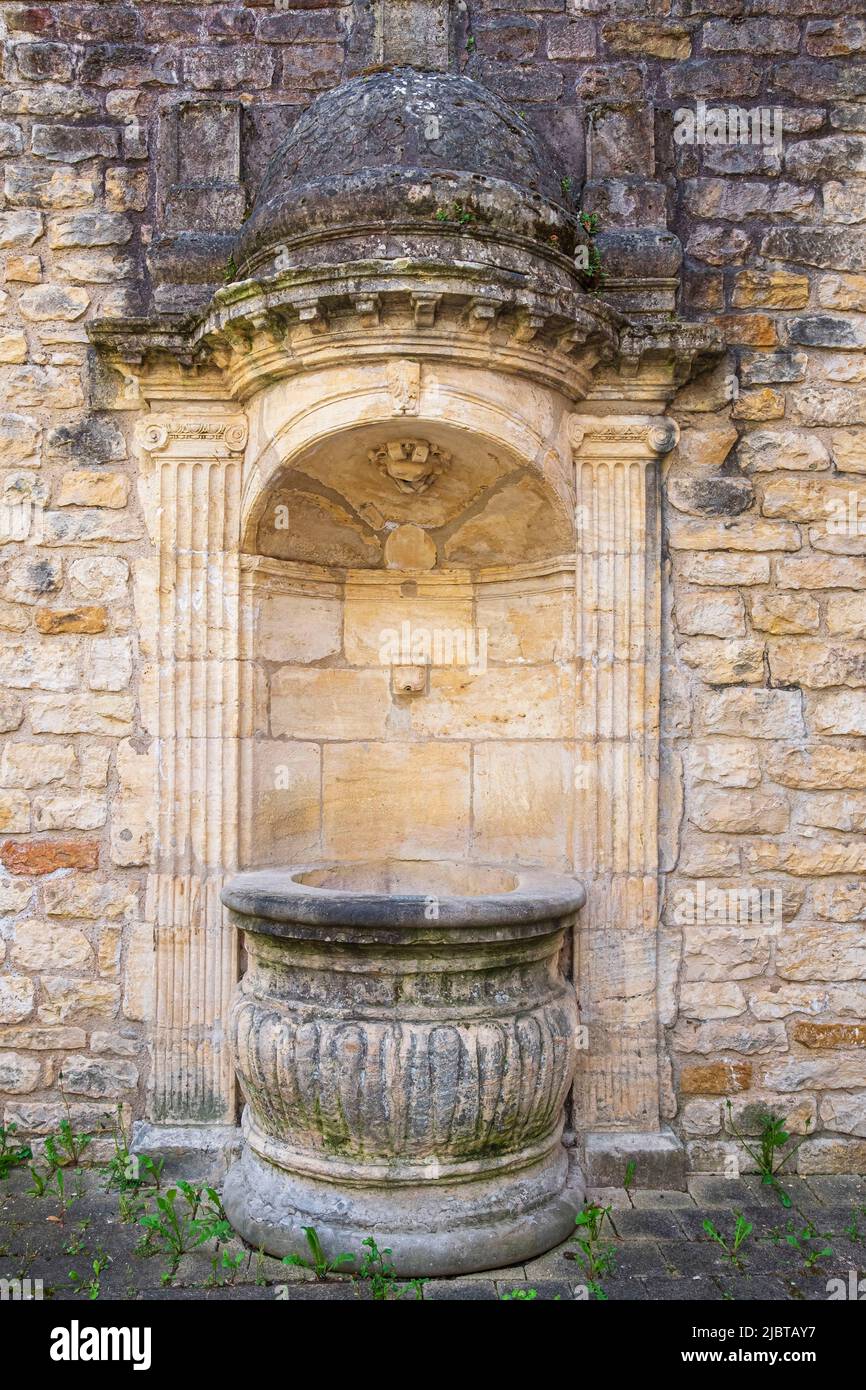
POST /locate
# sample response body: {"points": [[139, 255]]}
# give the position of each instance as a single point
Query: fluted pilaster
{"points": [[617, 759], [192, 479]]}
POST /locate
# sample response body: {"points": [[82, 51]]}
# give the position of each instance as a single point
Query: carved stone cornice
{"points": [[622, 436]]}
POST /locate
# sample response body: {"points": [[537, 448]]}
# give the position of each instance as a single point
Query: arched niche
{"points": [[407, 620]]}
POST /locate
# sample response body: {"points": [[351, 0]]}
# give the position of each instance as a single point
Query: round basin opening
{"points": [[412, 879]]}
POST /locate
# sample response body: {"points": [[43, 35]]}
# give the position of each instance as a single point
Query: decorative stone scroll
{"points": [[192, 472], [618, 639]]}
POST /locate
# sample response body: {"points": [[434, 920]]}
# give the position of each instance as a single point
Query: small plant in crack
{"points": [[186, 1217], [519, 1296], [377, 1268], [809, 1242], [456, 212], [587, 257], [772, 1138], [52, 1184], [130, 1174], [66, 1148], [91, 1283], [318, 1262], [732, 1248], [77, 1245], [595, 1257], [12, 1155], [225, 1267], [853, 1230]]}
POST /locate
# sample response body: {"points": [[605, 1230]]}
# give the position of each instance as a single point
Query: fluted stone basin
{"points": [[405, 1041]]}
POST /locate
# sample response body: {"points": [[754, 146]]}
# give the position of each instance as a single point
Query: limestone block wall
{"points": [[764, 633], [476, 763]]}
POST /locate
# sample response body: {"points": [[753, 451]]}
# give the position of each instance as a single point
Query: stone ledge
{"points": [[194, 1153], [659, 1159]]}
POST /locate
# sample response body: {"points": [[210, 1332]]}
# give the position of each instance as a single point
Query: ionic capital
{"points": [[645, 437], [198, 436]]}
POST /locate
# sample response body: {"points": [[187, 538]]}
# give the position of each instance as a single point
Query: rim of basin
{"points": [[402, 892]]}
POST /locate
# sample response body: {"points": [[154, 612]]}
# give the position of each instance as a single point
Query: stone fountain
{"points": [[401, 478], [405, 1040]]}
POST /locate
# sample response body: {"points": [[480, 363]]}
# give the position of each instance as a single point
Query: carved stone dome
{"points": [[396, 161]]}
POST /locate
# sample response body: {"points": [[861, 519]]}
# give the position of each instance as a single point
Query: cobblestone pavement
{"points": [[661, 1250]]}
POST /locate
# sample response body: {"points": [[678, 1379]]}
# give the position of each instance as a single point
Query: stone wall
{"points": [[764, 777]]}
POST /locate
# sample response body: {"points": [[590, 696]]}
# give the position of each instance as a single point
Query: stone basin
{"points": [[405, 1042]]}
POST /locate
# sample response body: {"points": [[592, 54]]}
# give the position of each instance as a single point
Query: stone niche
{"points": [[411, 598], [401, 478]]}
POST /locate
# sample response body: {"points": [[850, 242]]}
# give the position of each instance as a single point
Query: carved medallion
{"points": [[412, 464]]}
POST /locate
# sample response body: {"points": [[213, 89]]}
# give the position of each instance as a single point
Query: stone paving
{"points": [[660, 1248]]}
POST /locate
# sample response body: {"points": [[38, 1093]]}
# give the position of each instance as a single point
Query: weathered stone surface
{"points": [[822, 1035], [724, 762], [30, 386], [710, 496], [763, 404], [799, 1073], [738, 812], [702, 1117], [89, 229], [733, 662], [718, 614], [82, 714], [765, 713], [18, 1074], [821, 952], [765, 451], [777, 289], [834, 811], [73, 894], [73, 143], [102, 577], [723, 567], [17, 994], [723, 953], [715, 1078], [22, 228], [53, 620], [819, 572], [836, 712], [799, 661], [45, 856], [27, 764], [66, 1000], [725, 1035], [86, 488], [45, 946], [101, 1080], [741, 533], [72, 811], [845, 1113], [44, 302], [780, 613]]}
